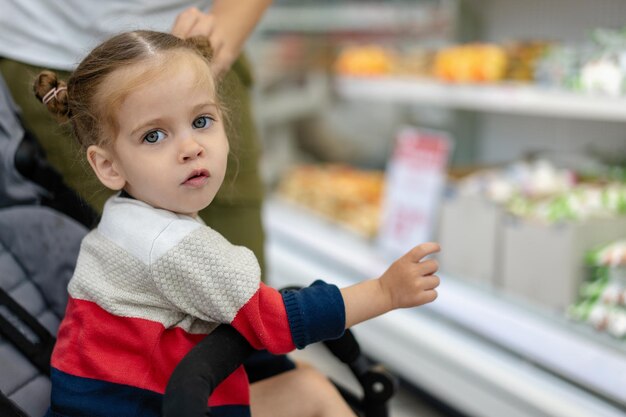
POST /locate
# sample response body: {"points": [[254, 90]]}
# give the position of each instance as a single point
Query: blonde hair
{"points": [[80, 100]]}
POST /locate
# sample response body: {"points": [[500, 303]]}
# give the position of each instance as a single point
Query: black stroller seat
{"points": [[42, 222]]}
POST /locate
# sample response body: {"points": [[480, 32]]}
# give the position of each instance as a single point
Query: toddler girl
{"points": [[152, 280]]}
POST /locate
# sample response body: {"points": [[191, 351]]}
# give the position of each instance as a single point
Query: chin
{"points": [[191, 208]]}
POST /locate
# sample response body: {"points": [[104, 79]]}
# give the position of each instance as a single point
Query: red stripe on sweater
{"points": [[263, 321], [93, 343]]}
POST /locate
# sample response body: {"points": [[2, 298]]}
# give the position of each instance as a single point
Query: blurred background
{"points": [[528, 201]]}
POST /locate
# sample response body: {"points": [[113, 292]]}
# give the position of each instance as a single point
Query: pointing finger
{"points": [[423, 250]]}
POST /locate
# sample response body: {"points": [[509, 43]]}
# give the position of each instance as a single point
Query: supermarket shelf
{"points": [[368, 18], [473, 350], [514, 99]]}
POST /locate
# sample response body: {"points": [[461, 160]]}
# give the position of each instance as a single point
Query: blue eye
{"points": [[202, 122], [154, 136]]}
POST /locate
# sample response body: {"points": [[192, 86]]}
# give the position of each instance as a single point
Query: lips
{"points": [[198, 177]]}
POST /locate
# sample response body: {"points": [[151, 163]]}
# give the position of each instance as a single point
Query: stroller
{"points": [[42, 222]]}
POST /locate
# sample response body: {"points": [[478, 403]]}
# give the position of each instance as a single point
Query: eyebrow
{"points": [[145, 125], [158, 120], [205, 105]]}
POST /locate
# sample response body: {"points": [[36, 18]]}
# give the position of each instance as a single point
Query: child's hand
{"points": [[410, 280]]}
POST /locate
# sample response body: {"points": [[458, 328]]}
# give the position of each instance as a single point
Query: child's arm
{"points": [[206, 277], [408, 282], [321, 311]]}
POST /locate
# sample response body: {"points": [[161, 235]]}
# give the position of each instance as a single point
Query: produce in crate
{"points": [[603, 298]]}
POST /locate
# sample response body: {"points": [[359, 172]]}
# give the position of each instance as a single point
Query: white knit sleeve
{"points": [[206, 276]]}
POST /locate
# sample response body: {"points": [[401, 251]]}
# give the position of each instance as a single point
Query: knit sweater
{"points": [[148, 286]]}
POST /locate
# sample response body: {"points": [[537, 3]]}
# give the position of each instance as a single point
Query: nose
{"points": [[190, 149]]}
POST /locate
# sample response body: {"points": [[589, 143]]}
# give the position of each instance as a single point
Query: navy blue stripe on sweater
{"points": [[77, 396], [315, 313]]}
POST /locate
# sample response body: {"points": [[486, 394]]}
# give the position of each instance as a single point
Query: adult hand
{"points": [[227, 25], [192, 22]]}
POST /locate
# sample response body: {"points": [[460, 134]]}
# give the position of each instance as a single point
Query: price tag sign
{"points": [[414, 183]]}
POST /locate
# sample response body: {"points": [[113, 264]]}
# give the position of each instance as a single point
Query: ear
{"points": [[103, 164]]}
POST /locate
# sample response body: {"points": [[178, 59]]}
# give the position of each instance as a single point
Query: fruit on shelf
{"points": [[368, 60], [471, 63], [523, 57]]}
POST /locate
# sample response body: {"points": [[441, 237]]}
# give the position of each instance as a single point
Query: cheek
{"points": [[141, 170], [226, 151], [224, 161]]}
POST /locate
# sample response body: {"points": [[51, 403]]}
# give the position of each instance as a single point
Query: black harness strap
{"points": [[201, 370], [9, 409], [23, 330]]}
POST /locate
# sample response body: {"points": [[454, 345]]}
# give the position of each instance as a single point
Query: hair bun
{"points": [[53, 93]]}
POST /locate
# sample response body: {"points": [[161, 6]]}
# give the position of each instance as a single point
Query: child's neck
{"points": [[124, 194]]}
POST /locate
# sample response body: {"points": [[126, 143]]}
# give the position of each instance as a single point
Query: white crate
{"points": [[469, 235], [545, 263]]}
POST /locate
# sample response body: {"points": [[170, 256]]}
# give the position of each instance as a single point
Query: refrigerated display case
{"points": [[481, 350], [476, 350]]}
